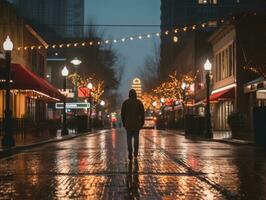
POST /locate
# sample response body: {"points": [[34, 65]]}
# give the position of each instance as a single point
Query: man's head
{"points": [[132, 93]]}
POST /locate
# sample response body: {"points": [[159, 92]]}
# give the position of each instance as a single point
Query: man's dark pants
{"points": [[133, 134]]}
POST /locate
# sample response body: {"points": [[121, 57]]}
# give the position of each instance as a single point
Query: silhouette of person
{"points": [[132, 115]]}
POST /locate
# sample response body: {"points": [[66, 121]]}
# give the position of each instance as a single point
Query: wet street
{"points": [[169, 167]]}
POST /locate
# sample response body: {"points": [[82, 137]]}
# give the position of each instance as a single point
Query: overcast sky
{"points": [[127, 12]]}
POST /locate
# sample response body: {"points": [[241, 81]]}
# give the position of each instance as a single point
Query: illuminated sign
{"points": [[72, 105], [83, 92]]}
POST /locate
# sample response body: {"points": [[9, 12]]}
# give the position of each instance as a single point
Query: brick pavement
{"points": [[169, 167]]}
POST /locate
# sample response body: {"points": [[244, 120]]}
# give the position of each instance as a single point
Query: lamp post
{"points": [[76, 62], [64, 125], [184, 86], [154, 104], [90, 86], [208, 129], [8, 140], [102, 103]]}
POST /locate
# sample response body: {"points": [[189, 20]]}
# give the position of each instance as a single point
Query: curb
{"points": [[15, 150], [225, 141]]}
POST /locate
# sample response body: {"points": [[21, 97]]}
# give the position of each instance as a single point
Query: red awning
{"points": [[224, 94], [24, 79]]}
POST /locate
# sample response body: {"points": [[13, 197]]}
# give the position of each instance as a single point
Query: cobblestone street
{"points": [[169, 167]]}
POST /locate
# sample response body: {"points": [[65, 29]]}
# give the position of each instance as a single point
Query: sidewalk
{"points": [[218, 136], [20, 146]]}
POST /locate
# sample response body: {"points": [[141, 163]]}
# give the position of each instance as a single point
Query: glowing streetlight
{"points": [[65, 73], [184, 85], [8, 140], [208, 130], [102, 103], [8, 44], [90, 86], [76, 62]]}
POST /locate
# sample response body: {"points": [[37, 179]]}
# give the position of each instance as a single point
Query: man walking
{"points": [[132, 115]]}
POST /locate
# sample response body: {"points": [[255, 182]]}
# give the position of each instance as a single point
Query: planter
{"points": [[237, 124]]}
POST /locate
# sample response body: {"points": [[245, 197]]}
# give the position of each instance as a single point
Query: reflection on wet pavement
{"points": [[168, 167]]}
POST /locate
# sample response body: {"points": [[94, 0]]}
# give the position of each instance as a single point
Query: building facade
{"points": [[63, 17], [30, 94], [233, 48], [183, 13], [136, 85]]}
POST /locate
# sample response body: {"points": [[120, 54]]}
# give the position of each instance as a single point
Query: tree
{"points": [[149, 74]]}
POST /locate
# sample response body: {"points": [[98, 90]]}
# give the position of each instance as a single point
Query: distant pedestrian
{"points": [[132, 115]]}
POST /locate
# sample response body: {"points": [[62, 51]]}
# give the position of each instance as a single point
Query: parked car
{"points": [[149, 122]]}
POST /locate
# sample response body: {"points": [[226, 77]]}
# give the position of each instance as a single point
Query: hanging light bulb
{"points": [[175, 39]]}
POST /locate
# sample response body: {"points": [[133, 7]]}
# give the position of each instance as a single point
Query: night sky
{"points": [[127, 12]]}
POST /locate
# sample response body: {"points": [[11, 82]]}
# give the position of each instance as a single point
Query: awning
{"points": [[23, 79], [224, 94]]}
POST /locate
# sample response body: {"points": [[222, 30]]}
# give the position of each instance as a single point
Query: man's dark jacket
{"points": [[132, 113]]}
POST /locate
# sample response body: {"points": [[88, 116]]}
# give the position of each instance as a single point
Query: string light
{"points": [[131, 38], [185, 29], [175, 39]]}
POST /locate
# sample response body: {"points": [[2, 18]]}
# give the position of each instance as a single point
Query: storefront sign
{"points": [[72, 105], [261, 94]]}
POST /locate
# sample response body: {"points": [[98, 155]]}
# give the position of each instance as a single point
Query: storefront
{"points": [[256, 91], [222, 104], [30, 94]]}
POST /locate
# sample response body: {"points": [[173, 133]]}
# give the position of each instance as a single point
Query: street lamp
{"points": [[208, 130], [8, 140], [64, 125], [184, 87], [90, 86], [102, 102], [76, 62]]}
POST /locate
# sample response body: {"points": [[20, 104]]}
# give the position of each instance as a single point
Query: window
{"points": [[224, 63], [207, 1]]}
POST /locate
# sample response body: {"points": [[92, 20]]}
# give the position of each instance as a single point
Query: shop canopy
{"points": [[25, 80], [224, 94]]}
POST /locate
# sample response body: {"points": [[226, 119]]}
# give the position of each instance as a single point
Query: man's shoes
{"points": [[130, 157]]}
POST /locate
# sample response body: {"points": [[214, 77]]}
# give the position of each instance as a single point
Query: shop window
{"points": [[224, 63], [207, 1]]}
